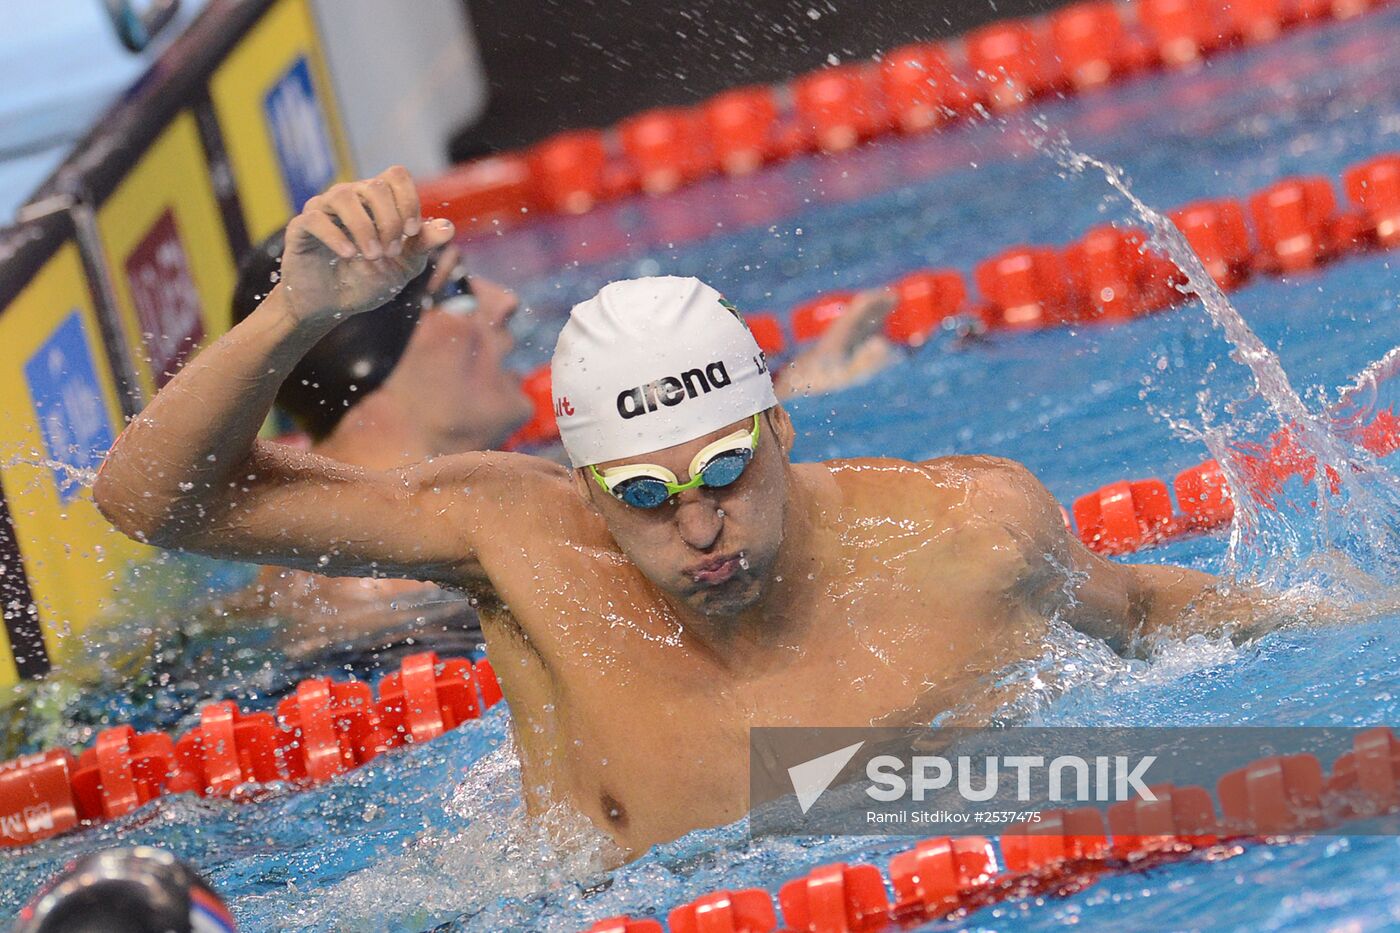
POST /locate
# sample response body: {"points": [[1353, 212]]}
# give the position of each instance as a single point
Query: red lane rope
{"points": [[1067, 851], [323, 729], [917, 88], [1129, 515], [326, 728], [1107, 276]]}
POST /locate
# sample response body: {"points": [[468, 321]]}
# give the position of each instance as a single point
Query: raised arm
{"points": [[191, 473]]}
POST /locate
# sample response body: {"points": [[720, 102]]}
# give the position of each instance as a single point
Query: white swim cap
{"points": [[650, 363]]}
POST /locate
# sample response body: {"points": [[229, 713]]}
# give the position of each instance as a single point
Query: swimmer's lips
{"points": [[717, 571]]}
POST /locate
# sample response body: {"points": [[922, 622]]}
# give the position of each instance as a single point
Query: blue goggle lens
{"points": [[725, 468], [642, 492]]}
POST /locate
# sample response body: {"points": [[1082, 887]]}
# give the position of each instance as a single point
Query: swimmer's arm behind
{"points": [[1129, 606], [1132, 606], [1213, 606], [1056, 576]]}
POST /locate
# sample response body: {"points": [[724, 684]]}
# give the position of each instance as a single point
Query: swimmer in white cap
{"points": [[684, 581]]}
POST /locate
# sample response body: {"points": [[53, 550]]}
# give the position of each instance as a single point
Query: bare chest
{"points": [[618, 709]]}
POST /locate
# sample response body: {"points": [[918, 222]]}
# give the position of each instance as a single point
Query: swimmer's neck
{"points": [[384, 432]]}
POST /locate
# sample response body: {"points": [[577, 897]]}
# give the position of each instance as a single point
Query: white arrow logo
{"points": [[811, 778]]}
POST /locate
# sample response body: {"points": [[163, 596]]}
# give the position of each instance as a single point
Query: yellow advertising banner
{"points": [[59, 414], [171, 264], [276, 111]]}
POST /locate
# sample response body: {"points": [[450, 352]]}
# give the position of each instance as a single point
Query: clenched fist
{"points": [[356, 246]]}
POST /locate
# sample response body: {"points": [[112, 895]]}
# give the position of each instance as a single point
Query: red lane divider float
{"points": [[1374, 187], [230, 749], [425, 698], [123, 771], [919, 88], [742, 129], [1067, 851], [747, 911], [1009, 64], [1107, 276], [1126, 516], [322, 730], [836, 897], [915, 88], [1025, 288], [938, 874], [1296, 224], [36, 797], [667, 148], [1094, 46], [1216, 232], [811, 320], [837, 108]]}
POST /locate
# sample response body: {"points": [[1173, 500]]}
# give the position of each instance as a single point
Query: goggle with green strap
{"points": [[647, 485]]}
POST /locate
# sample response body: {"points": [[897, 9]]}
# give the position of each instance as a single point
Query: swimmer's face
{"points": [[712, 550], [455, 364]]}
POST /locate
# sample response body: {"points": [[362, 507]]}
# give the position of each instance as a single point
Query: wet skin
{"points": [[636, 648], [895, 591], [418, 413]]}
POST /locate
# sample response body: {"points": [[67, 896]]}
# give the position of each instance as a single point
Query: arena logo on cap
{"points": [[671, 390]]}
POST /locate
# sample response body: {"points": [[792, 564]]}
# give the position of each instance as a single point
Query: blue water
{"points": [[435, 836]]}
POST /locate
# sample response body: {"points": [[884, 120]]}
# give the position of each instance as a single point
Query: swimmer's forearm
{"points": [[179, 458], [1191, 603], [1246, 612]]}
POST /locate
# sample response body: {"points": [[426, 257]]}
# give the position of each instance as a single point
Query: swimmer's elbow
{"points": [[139, 514], [127, 512], [1171, 602], [111, 500]]}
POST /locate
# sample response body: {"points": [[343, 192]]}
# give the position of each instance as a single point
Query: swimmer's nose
{"points": [[699, 520]]}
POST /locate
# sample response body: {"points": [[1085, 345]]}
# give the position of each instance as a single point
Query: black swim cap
{"points": [[138, 890], [347, 364]]}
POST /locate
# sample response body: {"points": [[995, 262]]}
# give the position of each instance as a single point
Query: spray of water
{"points": [[486, 860], [1355, 532]]}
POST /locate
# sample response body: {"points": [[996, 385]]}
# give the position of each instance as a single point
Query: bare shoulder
{"points": [[994, 488], [988, 488], [998, 507]]}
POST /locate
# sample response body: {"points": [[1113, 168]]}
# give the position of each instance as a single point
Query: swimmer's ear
{"points": [[781, 425], [582, 487]]}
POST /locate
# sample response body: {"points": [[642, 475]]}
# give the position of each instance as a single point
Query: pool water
{"points": [[434, 837]]}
